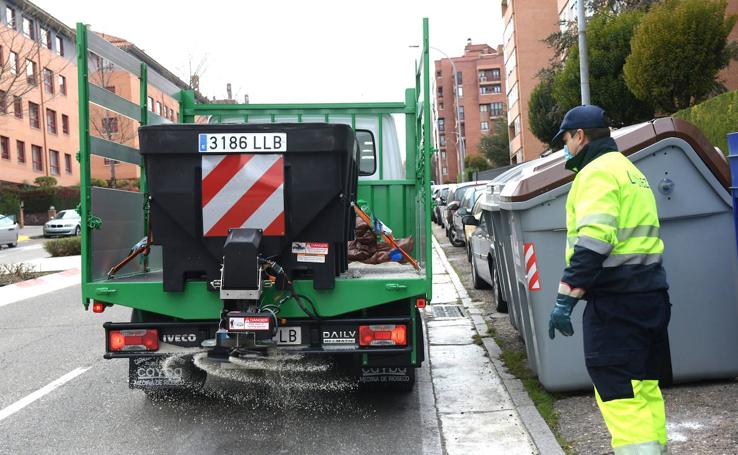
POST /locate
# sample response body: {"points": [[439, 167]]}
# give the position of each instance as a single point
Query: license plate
{"points": [[242, 142], [288, 335]]}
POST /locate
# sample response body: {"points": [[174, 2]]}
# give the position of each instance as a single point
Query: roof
{"points": [[134, 50]]}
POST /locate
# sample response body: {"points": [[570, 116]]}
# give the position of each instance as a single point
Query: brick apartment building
{"points": [[480, 101], [526, 24], [39, 127]]}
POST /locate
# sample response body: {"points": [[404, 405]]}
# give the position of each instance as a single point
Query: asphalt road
{"points": [[25, 251], [51, 337]]}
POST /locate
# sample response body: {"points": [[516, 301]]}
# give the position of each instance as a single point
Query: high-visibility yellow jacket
{"points": [[613, 243]]}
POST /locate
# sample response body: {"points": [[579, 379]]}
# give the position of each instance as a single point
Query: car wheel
{"points": [[77, 231], [477, 282], [501, 303], [454, 240]]}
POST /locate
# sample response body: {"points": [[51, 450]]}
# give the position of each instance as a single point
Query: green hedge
{"points": [[716, 118], [69, 246], [38, 199]]}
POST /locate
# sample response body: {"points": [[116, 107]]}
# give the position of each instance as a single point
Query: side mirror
{"points": [[453, 205], [470, 220]]}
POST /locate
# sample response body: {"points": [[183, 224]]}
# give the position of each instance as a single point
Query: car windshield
{"points": [[66, 215]]}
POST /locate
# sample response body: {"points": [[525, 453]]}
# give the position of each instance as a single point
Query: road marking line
{"points": [[23, 238], [25, 401]]}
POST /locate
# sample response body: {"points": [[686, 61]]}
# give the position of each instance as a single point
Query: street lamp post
{"points": [[460, 151]]}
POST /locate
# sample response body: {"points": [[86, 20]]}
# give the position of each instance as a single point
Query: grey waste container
{"points": [[690, 180], [504, 253]]}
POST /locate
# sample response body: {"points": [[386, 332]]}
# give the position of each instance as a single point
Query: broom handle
{"points": [[387, 238]]}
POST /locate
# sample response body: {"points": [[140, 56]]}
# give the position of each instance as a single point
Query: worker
{"points": [[614, 262]]}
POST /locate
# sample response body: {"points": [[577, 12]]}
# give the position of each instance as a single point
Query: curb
{"points": [[542, 436]]}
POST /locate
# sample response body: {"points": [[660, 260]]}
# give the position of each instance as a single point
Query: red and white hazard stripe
{"points": [[242, 190], [531, 269]]}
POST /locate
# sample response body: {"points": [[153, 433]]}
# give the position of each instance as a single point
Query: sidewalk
{"points": [[481, 408]]}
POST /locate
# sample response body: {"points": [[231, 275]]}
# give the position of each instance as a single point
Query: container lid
{"points": [[545, 174]]}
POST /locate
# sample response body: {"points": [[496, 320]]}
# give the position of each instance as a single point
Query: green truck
{"points": [[235, 248]]}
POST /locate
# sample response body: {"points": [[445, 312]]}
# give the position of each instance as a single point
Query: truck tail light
{"points": [[98, 307], [420, 303], [383, 335], [134, 340]]}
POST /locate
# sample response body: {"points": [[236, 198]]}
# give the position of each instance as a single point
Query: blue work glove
{"points": [[561, 316]]}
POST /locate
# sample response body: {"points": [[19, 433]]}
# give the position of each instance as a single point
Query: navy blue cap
{"points": [[582, 117]]}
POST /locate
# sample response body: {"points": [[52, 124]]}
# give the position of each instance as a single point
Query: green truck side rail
{"points": [[401, 204]]}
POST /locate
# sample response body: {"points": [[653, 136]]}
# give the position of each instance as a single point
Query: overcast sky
{"points": [[291, 51]]}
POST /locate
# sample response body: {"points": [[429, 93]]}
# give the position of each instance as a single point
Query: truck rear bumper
{"points": [[326, 336]]}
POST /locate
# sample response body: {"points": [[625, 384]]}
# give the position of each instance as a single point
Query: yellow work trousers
{"points": [[637, 425]]}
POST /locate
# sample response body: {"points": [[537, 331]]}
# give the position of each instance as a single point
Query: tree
{"points": [[23, 62], [496, 145], [544, 112], [619, 6], [475, 163], [608, 42], [677, 52]]}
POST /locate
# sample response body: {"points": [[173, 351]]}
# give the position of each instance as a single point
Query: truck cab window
{"points": [[367, 152]]}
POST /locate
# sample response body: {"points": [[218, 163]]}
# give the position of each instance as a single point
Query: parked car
{"points": [[466, 204], [483, 257], [8, 231], [442, 202], [436, 201], [453, 203], [66, 222]]}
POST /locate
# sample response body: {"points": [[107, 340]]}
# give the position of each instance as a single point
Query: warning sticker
{"points": [[310, 248], [316, 258]]}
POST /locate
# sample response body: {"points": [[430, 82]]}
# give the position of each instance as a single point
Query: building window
{"points": [[10, 17], [45, 37], [440, 106], [28, 28], [3, 101], [442, 140], [37, 157], [49, 81], [495, 74], [512, 96], [445, 170], [109, 162], [13, 62], [68, 163], [509, 30], [18, 107], [461, 91], [34, 114], [150, 104], [62, 85], [441, 124], [482, 76], [458, 78], [487, 89], [53, 162], [461, 112], [483, 107], [518, 128], [110, 88], [4, 147], [31, 72], [440, 92], [485, 126], [510, 64], [51, 121], [20, 147], [496, 109], [110, 124], [443, 156], [158, 108], [59, 45], [65, 124], [438, 73]]}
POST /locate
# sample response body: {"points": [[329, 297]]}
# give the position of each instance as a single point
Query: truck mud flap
{"points": [[162, 373], [383, 376]]}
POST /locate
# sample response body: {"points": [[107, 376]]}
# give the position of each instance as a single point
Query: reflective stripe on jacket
{"points": [[613, 242]]}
